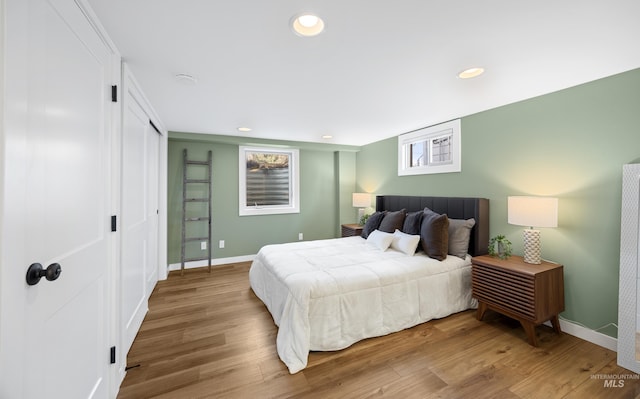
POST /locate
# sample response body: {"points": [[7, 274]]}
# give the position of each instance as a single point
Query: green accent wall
{"points": [[570, 144], [327, 179]]}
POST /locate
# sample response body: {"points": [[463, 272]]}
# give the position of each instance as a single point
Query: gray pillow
{"points": [[412, 223], [392, 221], [434, 234], [459, 234], [372, 223]]}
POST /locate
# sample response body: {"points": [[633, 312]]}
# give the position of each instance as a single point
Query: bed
{"points": [[325, 295]]}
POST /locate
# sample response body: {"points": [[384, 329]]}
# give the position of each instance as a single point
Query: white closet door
{"points": [[153, 163], [140, 165], [134, 219], [56, 202]]}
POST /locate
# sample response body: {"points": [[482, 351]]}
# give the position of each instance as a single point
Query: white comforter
{"points": [[328, 294]]}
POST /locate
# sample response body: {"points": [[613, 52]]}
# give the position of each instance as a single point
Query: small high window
{"points": [[436, 149]]}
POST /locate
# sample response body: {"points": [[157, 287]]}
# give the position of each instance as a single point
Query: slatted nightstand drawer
{"points": [[507, 290], [529, 293]]}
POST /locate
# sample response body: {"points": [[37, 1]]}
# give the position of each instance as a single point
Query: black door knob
{"points": [[36, 272]]}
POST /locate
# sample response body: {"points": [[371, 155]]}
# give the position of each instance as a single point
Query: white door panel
{"points": [[87, 377], [153, 163], [134, 219], [67, 129], [58, 133]]}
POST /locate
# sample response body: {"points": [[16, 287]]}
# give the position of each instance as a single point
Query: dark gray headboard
{"points": [[455, 208]]}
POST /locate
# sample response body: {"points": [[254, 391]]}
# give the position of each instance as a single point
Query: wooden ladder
{"points": [[190, 215]]}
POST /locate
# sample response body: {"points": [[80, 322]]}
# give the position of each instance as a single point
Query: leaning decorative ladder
{"points": [[193, 179]]}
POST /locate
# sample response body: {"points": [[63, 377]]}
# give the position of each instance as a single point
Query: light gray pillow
{"points": [[459, 235]]}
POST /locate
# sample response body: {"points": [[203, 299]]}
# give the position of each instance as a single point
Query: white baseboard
{"points": [[214, 262], [588, 335]]}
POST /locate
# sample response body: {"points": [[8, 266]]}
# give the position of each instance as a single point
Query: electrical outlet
{"points": [[300, 236], [203, 245], [221, 244]]}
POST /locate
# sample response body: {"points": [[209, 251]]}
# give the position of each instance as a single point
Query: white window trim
{"points": [[427, 134], [294, 183]]}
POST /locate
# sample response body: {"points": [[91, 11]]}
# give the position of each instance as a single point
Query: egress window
{"points": [[268, 181], [435, 149]]}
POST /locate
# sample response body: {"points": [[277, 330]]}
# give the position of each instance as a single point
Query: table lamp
{"points": [[361, 201], [532, 212]]}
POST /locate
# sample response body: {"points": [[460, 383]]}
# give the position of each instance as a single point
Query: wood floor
{"points": [[208, 336]]}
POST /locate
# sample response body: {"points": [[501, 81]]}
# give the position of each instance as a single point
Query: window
{"points": [[269, 181], [434, 149], [441, 149]]}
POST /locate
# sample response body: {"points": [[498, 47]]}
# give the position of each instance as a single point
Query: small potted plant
{"points": [[499, 246], [363, 220]]}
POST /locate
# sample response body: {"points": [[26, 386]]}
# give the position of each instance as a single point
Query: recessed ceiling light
{"points": [[327, 136], [471, 73], [307, 24], [186, 79], [244, 129]]}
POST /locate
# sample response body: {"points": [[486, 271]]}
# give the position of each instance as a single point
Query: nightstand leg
{"points": [[482, 307], [555, 322], [530, 329]]}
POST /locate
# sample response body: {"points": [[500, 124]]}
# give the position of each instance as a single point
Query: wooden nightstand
{"points": [[350, 230], [531, 294]]}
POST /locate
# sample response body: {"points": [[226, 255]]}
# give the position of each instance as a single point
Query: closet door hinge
{"points": [[114, 223], [114, 93], [112, 355]]}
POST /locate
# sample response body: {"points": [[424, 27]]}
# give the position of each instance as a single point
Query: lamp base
{"points": [[532, 246]]}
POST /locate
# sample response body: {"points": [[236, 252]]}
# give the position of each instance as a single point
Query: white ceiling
{"points": [[381, 68]]}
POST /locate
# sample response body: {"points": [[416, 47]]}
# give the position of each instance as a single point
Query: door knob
{"points": [[36, 272]]}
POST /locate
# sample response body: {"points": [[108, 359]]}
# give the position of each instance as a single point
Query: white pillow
{"points": [[380, 239], [405, 243]]}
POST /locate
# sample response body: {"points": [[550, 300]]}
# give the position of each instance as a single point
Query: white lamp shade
{"points": [[361, 200], [532, 211]]}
